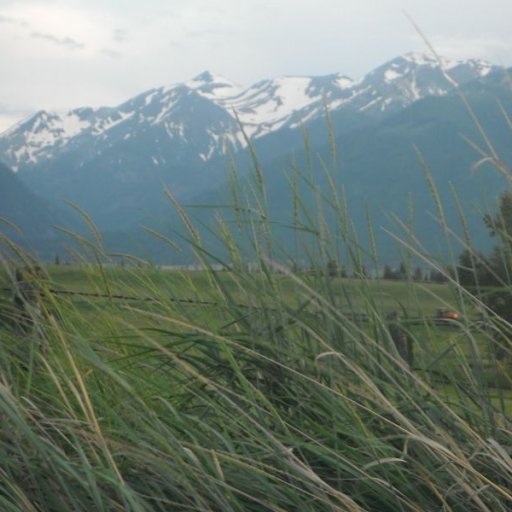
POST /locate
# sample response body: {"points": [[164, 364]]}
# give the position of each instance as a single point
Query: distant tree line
{"points": [[334, 269], [402, 273]]}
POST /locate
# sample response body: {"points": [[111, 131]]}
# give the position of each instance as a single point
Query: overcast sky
{"points": [[59, 54]]}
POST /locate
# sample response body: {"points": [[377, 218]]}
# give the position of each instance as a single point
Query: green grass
{"points": [[287, 404]]}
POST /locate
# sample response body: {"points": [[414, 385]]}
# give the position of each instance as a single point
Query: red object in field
{"points": [[447, 314]]}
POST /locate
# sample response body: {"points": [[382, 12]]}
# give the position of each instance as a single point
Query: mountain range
{"points": [[114, 162]]}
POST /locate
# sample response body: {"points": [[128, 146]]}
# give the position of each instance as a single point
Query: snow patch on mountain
{"points": [[391, 74], [104, 125], [265, 106], [175, 130]]}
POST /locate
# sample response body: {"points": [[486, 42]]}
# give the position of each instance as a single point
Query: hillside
{"points": [[20, 206]]}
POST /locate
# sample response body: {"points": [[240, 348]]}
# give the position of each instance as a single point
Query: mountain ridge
{"points": [[261, 109]]}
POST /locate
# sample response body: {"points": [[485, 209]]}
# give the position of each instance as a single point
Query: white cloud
{"points": [[120, 35], [70, 27], [66, 42]]}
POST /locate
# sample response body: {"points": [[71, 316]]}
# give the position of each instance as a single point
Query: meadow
{"points": [[156, 389]]}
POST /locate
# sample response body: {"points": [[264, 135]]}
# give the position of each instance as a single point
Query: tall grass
{"points": [[270, 394]]}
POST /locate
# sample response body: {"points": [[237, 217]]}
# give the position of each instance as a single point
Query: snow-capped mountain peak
{"points": [[420, 59], [480, 66], [414, 76], [37, 137], [209, 107], [205, 76], [213, 86]]}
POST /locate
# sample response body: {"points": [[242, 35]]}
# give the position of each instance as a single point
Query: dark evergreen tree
{"points": [[493, 274], [500, 224], [388, 272], [332, 268], [474, 269], [436, 276]]}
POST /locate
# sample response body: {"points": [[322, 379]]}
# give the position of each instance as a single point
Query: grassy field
{"points": [[200, 297], [104, 303], [155, 389]]}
